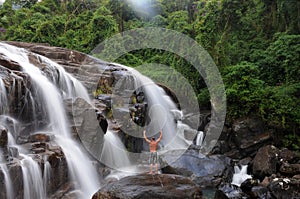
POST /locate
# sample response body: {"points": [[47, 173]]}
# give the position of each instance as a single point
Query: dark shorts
{"points": [[153, 158]]}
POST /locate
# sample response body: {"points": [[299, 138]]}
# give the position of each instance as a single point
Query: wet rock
{"points": [[59, 170], [206, 171], [102, 122], [290, 169], [106, 99], [260, 192], [150, 186], [38, 150], [247, 185], [10, 64], [285, 188], [245, 136], [221, 147], [15, 171], [40, 137], [265, 161], [3, 138], [13, 152], [245, 161], [228, 191], [286, 155]]}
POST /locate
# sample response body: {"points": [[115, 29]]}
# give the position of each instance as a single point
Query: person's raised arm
{"points": [[145, 137], [158, 140]]}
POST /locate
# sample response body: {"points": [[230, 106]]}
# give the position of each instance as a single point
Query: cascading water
{"points": [[199, 139], [8, 183], [3, 98], [161, 111], [113, 152], [46, 174], [32, 178], [80, 168], [13, 128], [240, 175]]}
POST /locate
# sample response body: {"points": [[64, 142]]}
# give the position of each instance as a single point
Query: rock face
{"points": [[150, 186], [243, 138]]}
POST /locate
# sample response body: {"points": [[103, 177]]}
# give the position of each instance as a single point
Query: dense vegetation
{"points": [[255, 44]]}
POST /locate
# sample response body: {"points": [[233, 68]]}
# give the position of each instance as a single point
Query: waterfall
{"points": [[161, 111], [3, 98], [240, 175], [46, 174], [7, 180], [32, 178], [199, 139], [114, 153], [52, 86]]}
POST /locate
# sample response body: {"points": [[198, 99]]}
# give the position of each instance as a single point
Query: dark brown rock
{"points": [[150, 186], [59, 169], [40, 137], [3, 138], [9, 64], [265, 161], [244, 137], [286, 155], [290, 169]]}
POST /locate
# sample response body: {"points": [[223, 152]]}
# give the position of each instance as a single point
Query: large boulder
{"points": [[150, 186], [265, 161], [206, 171], [243, 138]]}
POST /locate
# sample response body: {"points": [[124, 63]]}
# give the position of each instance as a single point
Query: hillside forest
{"points": [[254, 43]]}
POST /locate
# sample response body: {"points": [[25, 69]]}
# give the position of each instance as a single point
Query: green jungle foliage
{"points": [[254, 43]]}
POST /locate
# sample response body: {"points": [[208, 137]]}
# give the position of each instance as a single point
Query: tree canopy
{"points": [[254, 43]]}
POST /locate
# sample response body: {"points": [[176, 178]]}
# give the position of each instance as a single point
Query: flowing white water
{"points": [[46, 175], [161, 111], [32, 178], [3, 98], [69, 86], [8, 183], [114, 153], [240, 175], [13, 128], [199, 139], [80, 167]]}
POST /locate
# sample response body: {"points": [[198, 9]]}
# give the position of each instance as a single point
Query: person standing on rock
{"points": [[153, 153]]}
